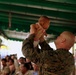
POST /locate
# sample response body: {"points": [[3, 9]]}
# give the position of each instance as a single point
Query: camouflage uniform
{"points": [[51, 62]]}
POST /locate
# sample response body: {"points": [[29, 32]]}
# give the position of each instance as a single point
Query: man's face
{"points": [[12, 68], [22, 68], [10, 62], [3, 63], [58, 40], [21, 60]]}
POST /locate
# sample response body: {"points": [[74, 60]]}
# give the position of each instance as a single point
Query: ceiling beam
{"points": [[55, 6]]}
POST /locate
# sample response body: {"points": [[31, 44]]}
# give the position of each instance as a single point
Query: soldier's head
{"points": [[65, 40]]}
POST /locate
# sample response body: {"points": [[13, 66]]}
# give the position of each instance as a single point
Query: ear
{"points": [[63, 40]]}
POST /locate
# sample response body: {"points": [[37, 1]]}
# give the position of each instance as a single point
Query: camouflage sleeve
{"points": [[45, 46], [28, 49]]}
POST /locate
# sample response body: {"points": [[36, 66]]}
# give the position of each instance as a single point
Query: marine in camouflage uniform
{"points": [[50, 62]]}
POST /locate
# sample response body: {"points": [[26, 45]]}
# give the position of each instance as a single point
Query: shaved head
{"points": [[65, 40], [69, 36]]}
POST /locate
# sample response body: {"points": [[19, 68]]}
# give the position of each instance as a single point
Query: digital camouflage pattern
{"points": [[51, 62]]}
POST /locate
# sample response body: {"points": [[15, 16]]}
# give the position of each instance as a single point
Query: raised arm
{"points": [[28, 49]]}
